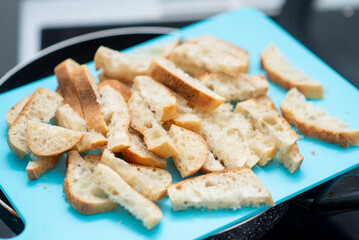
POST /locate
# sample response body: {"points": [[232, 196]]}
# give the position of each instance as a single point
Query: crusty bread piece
{"points": [[80, 191], [48, 140], [241, 87], [282, 72], [66, 87], [270, 122], [206, 59], [229, 189], [67, 117], [137, 152], [192, 150], [91, 141], [144, 121], [121, 66], [151, 182], [163, 49], [211, 164], [225, 46], [265, 100], [122, 193], [117, 115], [39, 165], [41, 106], [118, 86], [191, 89], [160, 100], [316, 122], [12, 114], [89, 95]]}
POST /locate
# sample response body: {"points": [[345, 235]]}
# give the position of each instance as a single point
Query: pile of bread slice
{"points": [[149, 107]]}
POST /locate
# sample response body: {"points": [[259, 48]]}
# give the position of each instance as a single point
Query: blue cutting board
{"points": [[47, 215]]}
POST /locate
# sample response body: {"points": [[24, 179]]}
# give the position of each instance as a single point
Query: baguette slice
{"points": [[122, 193], [66, 83], [120, 66], [49, 140], [211, 164], [184, 85], [188, 121], [229, 189], [144, 121], [220, 44], [316, 122], [41, 106], [282, 72], [118, 86], [241, 87], [80, 191], [66, 117], [91, 141], [202, 58], [192, 150], [151, 182], [12, 114], [89, 96], [157, 96], [38, 165], [117, 115], [137, 153]]}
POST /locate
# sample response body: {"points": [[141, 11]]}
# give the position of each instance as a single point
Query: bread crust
{"points": [[66, 84], [88, 99], [309, 90], [118, 86], [344, 139], [133, 157], [34, 172], [16, 107], [184, 89]]}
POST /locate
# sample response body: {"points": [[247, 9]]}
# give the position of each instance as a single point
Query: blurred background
{"points": [[329, 28]]}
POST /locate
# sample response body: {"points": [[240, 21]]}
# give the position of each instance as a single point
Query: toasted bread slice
{"points": [[89, 95], [211, 164], [67, 117], [198, 57], [192, 150], [117, 115], [49, 140], [151, 182], [229, 189], [241, 87], [225, 46], [316, 122], [282, 72], [80, 191], [67, 88], [157, 96], [41, 106], [12, 114], [144, 121], [270, 122], [137, 152], [118, 86], [122, 193], [121, 66], [184, 85], [91, 141], [38, 165]]}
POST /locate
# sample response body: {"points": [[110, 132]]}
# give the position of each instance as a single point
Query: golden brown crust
{"points": [[118, 86], [194, 126], [165, 150], [182, 88], [77, 203], [344, 139], [268, 201], [309, 90], [88, 99], [34, 172], [66, 84], [8, 119], [133, 157]]}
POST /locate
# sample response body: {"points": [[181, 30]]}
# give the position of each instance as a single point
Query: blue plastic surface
{"points": [[47, 215]]}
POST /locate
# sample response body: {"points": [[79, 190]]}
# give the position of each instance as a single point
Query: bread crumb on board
{"points": [[313, 152]]}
